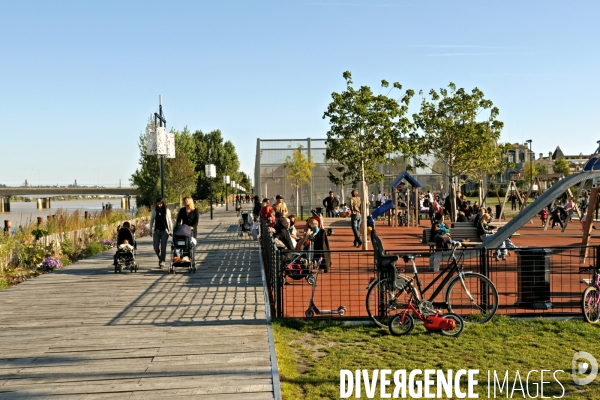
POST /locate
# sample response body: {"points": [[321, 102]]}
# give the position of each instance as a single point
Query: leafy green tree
{"points": [[454, 133], [530, 170], [541, 168], [364, 129], [561, 166], [298, 169], [223, 156], [180, 174], [147, 176], [340, 175]]}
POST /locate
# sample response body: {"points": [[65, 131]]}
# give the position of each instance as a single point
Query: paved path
{"points": [[86, 332]]}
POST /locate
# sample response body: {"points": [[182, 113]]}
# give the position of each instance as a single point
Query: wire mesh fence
{"points": [[530, 281]]}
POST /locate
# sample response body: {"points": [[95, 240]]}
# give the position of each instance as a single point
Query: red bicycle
{"points": [[449, 324]]}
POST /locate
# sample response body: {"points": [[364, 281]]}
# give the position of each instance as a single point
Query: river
{"points": [[22, 213]]}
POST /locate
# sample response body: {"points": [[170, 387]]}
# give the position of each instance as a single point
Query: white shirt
{"points": [[379, 196], [383, 199]]}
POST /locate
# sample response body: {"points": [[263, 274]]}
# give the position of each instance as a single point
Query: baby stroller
{"points": [[182, 249], [245, 224], [125, 255], [298, 265]]}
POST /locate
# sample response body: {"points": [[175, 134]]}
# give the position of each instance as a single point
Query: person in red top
{"points": [[267, 213]]}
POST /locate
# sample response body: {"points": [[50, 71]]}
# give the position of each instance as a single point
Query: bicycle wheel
{"points": [[380, 306], [475, 301], [460, 325], [589, 308], [398, 327]]}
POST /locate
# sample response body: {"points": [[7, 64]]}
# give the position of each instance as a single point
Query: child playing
{"points": [[544, 216], [255, 228]]}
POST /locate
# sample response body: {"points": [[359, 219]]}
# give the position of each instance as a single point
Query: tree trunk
{"points": [[363, 206], [297, 201]]}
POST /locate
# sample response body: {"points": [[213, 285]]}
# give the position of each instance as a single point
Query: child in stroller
{"points": [[245, 224], [126, 247], [182, 249]]}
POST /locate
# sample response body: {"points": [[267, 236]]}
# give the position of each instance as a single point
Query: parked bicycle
{"points": [[449, 324], [590, 300], [468, 294]]}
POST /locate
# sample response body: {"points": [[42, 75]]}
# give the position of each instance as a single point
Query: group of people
{"points": [[161, 226], [440, 232]]}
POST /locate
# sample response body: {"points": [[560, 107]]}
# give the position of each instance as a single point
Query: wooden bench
{"points": [[462, 231]]}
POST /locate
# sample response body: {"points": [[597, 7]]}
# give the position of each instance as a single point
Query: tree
{"points": [[340, 175], [223, 156], [453, 133], [561, 166], [299, 169], [541, 168], [147, 176], [364, 129], [180, 174], [529, 173]]}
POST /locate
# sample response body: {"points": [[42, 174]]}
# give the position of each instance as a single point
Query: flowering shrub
{"points": [[108, 244], [143, 229], [50, 264]]}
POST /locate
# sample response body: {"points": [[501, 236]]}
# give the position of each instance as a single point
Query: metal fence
{"points": [[270, 175], [530, 282]]}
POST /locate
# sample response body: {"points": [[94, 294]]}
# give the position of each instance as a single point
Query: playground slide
{"points": [[534, 208], [387, 206]]}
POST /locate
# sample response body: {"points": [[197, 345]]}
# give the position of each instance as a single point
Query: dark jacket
{"points": [[483, 228], [330, 203]]}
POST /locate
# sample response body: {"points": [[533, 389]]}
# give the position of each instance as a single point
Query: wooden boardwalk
{"points": [[85, 332]]}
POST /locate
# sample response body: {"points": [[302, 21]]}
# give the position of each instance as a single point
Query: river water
{"points": [[21, 213]]}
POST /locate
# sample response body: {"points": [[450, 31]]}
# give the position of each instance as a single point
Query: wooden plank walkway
{"points": [[85, 332]]}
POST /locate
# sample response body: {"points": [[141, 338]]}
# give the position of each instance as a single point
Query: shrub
{"points": [[50, 264], [93, 248]]}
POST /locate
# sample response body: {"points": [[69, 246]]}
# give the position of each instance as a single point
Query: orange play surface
{"points": [[352, 269]]}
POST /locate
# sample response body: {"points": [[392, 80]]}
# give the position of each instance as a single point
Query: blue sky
{"points": [[79, 79]]}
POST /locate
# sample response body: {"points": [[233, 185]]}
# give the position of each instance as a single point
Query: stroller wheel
{"points": [[116, 269], [309, 313], [311, 279]]}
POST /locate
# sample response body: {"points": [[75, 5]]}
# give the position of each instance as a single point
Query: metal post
{"points": [[211, 192], [226, 200], [159, 119]]}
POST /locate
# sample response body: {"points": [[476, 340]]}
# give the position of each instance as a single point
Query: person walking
{"points": [[161, 227], [355, 217], [281, 209], [330, 203], [188, 215]]}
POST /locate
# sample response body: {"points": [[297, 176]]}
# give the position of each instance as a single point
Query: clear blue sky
{"points": [[80, 78]]}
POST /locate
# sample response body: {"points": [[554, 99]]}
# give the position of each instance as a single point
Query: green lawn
{"points": [[311, 354]]}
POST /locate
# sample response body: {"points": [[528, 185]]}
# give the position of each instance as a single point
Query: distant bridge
{"points": [[74, 191]]}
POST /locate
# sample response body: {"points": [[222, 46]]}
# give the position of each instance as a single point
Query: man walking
{"points": [[330, 203]]}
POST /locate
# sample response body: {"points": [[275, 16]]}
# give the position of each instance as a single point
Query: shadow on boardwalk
{"points": [[86, 332]]}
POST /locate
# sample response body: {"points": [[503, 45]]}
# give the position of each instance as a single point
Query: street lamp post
{"points": [[211, 172], [159, 143], [226, 182], [232, 190], [530, 166]]}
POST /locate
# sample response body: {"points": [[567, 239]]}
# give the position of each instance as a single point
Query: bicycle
{"points": [[590, 300], [449, 324], [468, 294]]}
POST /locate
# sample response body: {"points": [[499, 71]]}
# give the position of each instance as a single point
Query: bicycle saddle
{"points": [[408, 257]]}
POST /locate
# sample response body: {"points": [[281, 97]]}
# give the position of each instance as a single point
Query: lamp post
{"points": [[226, 182], [232, 190], [211, 172], [530, 166], [159, 143]]}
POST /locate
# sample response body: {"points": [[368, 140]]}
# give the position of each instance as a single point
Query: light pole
{"points": [[232, 190], [211, 172], [226, 182], [159, 143], [530, 166]]}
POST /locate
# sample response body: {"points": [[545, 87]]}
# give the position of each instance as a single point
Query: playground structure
{"points": [[591, 171], [412, 208]]}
